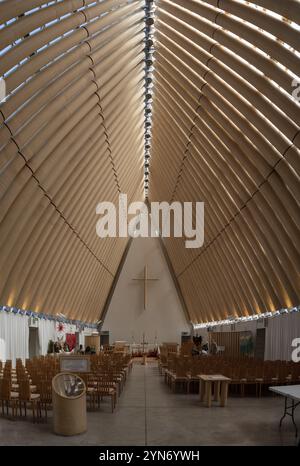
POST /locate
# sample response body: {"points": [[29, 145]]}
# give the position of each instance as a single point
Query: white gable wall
{"points": [[164, 318]]}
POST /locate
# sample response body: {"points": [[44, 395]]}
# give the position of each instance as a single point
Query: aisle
{"points": [[178, 419], [149, 414]]}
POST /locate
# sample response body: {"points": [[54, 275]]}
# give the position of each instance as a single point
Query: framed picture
{"points": [[75, 363]]}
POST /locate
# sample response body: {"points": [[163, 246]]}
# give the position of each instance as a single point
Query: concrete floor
{"points": [[149, 414]]}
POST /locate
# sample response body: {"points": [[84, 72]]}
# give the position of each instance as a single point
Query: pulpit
{"points": [[69, 404]]}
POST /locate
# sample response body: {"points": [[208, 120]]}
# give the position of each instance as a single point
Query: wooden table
{"points": [[220, 383]]}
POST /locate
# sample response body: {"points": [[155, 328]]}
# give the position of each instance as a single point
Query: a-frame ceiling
{"points": [[72, 136], [225, 130]]}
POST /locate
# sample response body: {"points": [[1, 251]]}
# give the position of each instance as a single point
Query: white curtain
{"points": [[46, 332], [81, 339], [14, 337], [280, 332]]}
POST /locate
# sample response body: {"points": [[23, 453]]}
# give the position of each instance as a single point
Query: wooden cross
{"points": [[145, 279]]}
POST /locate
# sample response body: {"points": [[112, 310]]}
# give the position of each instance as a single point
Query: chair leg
{"points": [[258, 390], [40, 410], [33, 411]]}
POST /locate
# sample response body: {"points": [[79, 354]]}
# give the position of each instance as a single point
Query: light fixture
{"points": [[252, 317]]}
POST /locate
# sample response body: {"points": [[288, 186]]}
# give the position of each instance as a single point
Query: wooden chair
{"points": [[162, 363], [91, 394], [259, 379], [179, 377], [33, 399], [105, 389], [45, 391], [7, 397], [193, 379]]}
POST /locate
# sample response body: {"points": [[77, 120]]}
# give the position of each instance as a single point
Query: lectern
{"points": [[69, 404]]}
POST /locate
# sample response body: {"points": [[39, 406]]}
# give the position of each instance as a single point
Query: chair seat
{"points": [[91, 390], [107, 391]]}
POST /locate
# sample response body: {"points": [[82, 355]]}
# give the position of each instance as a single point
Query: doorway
{"points": [[33, 342], [104, 338], [260, 343]]}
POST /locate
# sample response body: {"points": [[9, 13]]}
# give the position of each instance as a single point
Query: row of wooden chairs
{"points": [[108, 377], [31, 385], [183, 372], [18, 392], [19, 399]]}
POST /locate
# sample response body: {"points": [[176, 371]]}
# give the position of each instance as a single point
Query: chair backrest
{"points": [[24, 390], [5, 389], [45, 391]]}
